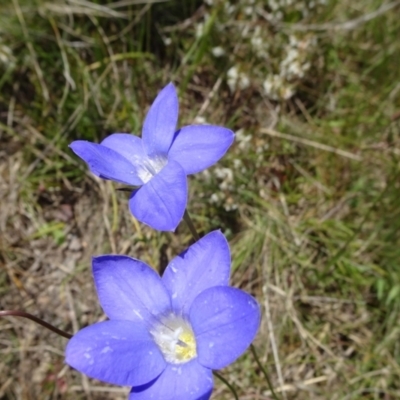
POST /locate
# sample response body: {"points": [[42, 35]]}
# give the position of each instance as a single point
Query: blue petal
{"points": [[160, 124], [204, 264], [196, 147], [161, 202], [106, 163], [225, 321], [117, 352], [129, 289], [130, 147], [126, 144], [188, 381]]}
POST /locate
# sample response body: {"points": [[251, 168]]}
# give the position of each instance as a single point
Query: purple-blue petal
{"points": [[160, 123], [189, 381], [196, 147], [129, 289], [130, 147], [161, 202], [117, 352], [225, 321], [106, 163], [204, 264]]}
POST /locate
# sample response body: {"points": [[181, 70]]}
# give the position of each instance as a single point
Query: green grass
{"points": [[314, 233]]}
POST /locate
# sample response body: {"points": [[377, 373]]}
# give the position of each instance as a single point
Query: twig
{"points": [[272, 338], [297, 385], [209, 97], [311, 143], [186, 23]]}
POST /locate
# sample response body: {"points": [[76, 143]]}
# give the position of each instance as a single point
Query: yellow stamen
{"points": [[186, 350]]}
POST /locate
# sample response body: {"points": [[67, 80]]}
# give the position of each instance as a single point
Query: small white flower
{"points": [[237, 163], [244, 81], [167, 41], [257, 42], [6, 56], [248, 10], [199, 30], [241, 137], [200, 120], [232, 78], [218, 51], [224, 173], [287, 92], [214, 198]]}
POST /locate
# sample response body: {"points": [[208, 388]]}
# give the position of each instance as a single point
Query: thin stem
{"points": [[271, 388], [16, 313], [231, 388], [190, 225]]}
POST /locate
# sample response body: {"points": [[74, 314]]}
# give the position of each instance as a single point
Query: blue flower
{"points": [[166, 335], [158, 162]]}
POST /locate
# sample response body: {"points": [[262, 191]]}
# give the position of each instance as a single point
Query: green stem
{"points": [[15, 313], [231, 388], [271, 388], [189, 223]]}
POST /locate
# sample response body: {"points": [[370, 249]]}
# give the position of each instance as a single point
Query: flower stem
{"points": [[190, 225], [231, 388], [271, 388], [16, 313]]}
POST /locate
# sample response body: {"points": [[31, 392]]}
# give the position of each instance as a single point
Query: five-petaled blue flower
{"points": [[158, 162], [166, 335]]}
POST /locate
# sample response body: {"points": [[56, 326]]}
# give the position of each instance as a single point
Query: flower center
{"points": [[175, 338], [151, 167]]}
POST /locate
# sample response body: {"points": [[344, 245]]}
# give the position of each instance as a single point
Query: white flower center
{"points": [[151, 167], [175, 338]]}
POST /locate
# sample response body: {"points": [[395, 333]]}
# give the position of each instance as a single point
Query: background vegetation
{"points": [[308, 195]]}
